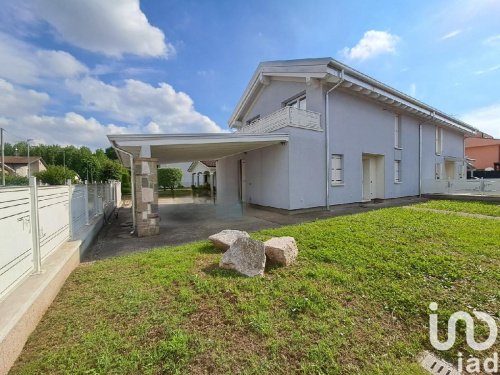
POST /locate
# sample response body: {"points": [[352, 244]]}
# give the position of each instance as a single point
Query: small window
{"points": [[298, 102], [439, 140], [397, 131], [337, 169], [397, 171], [438, 171]]}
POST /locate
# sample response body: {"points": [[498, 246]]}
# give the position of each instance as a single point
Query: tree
{"points": [[110, 170], [169, 178], [56, 175], [111, 153]]}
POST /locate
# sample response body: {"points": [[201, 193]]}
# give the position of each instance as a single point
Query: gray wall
{"points": [[266, 177], [294, 176]]}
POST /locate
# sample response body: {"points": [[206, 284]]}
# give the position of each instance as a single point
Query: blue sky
{"points": [[73, 71]]}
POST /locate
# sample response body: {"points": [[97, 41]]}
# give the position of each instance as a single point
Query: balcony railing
{"points": [[286, 116]]}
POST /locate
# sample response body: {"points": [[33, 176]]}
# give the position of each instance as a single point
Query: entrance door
{"points": [[449, 167], [242, 179], [373, 177], [368, 185]]}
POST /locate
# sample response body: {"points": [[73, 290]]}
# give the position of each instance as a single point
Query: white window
{"points": [[438, 170], [299, 102], [397, 171], [397, 131], [337, 169], [439, 140]]}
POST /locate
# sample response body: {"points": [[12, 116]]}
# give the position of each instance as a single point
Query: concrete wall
{"points": [[358, 127], [267, 176]]}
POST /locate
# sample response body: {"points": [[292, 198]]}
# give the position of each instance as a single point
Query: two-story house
{"points": [[351, 139], [312, 133]]}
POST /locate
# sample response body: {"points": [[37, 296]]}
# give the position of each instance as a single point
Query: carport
{"points": [[143, 152]]}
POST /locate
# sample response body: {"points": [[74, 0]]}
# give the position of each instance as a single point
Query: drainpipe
{"points": [[327, 138], [132, 182], [433, 114], [420, 160]]}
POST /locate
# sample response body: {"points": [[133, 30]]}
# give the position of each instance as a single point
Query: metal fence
{"points": [[36, 220], [485, 187]]}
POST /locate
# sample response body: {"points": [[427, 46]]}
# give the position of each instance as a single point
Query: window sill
{"points": [[398, 182], [398, 148], [337, 184]]}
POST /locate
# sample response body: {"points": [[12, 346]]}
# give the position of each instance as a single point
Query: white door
{"points": [[366, 180]]}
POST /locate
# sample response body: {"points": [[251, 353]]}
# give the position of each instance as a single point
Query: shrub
{"points": [[56, 175]]}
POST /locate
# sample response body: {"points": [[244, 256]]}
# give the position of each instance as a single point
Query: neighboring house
{"points": [[186, 176], [8, 170], [19, 164], [315, 133], [484, 150], [202, 172]]}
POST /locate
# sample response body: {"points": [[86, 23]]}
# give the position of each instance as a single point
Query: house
{"points": [[314, 133], [202, 172], [186, 176], [8, 170], [484, 150], [19, 164]]}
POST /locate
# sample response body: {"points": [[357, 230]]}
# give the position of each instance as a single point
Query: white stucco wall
{"points": [[297, 178]]}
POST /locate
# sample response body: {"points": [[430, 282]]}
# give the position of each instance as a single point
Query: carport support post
{"points": [[146, 197], [212, 185]]}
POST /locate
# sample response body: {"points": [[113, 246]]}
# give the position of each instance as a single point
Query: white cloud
{"points": [[137, 102], [413, 89], [451, 34], [488, 70], [23, 63], [110, 27], [70, 129], [486, 119], [372, 44], [493, 40], [16, 101]]}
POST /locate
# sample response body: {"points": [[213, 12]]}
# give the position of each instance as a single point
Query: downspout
{"points": [[420, 154], [327, 139], [132, 182], [420, 160]]}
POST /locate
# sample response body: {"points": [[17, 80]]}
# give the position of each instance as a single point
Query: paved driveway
{"points": [[190, 221]]}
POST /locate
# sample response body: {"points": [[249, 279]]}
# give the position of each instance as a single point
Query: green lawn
{"points": [[356, 302], [483, 208]]}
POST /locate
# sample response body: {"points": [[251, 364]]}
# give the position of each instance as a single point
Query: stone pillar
{"points": [[146, 197]]}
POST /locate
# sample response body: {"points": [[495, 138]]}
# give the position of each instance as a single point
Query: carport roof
{"points": [[175, 148]]}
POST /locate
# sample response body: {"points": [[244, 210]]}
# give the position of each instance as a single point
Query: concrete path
{"points": [[188, 222]]}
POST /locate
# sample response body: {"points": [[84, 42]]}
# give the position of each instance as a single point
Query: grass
{"points": [[482, 208], [355, 302]]}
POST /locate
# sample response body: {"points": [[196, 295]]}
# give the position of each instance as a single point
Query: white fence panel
{"points": [[16, 255], [463, 187], [78, 218], [53, 214]]}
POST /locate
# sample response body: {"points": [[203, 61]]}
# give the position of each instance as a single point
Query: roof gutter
{"points": [[327, 139], [132, 180]]}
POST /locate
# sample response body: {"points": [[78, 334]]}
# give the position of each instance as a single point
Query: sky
{"points": [[72, 71]]}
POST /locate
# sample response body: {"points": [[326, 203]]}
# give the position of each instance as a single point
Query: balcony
{"points": [[286, 116]]}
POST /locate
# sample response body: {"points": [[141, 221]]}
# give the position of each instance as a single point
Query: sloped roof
{"points": [[209, 163], [22, 159], [330, 72]]}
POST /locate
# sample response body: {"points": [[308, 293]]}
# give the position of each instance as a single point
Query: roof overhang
{"points": [[328, 71], [176, 148]]}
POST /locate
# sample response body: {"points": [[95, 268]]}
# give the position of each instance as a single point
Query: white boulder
{"points": [[281, 250], [246, 256], [223, 240]]}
